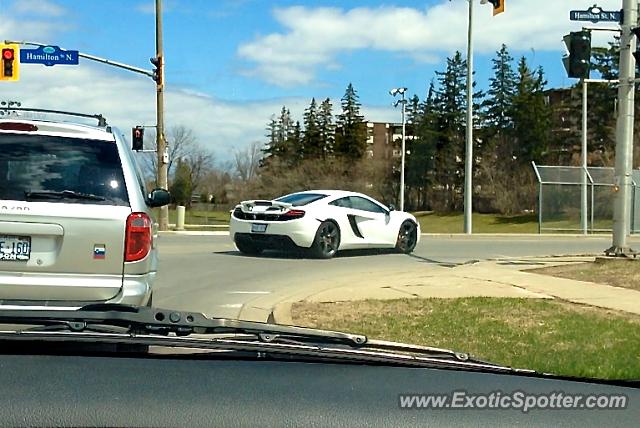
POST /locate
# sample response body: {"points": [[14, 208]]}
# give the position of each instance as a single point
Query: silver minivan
{"points": [[76, 224]]}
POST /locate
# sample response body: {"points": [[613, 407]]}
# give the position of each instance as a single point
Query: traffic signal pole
{"points": [[161, 147], [624, 133]]}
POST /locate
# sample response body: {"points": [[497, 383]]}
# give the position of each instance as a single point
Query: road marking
{"points": [[248, 292], [231, 305]]}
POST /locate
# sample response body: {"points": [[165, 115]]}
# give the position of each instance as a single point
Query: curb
{"points": [[281, 313]]}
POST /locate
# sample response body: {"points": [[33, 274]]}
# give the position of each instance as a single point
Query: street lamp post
{"points": [[468, 162], [402, 101]]}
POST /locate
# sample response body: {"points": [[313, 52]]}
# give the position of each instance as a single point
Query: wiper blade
{"points": [[64, 194], [155, 321]]}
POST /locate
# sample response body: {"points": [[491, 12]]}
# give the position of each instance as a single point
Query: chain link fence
{"points": [[560, 198]]}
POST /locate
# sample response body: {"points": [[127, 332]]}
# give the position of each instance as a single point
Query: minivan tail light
{"points": [[138, 237]]}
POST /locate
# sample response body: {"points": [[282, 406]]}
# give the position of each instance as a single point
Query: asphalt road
{"points": [[207, 274]]}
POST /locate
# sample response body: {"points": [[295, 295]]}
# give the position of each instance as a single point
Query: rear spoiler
{"points": [[247, 206]]}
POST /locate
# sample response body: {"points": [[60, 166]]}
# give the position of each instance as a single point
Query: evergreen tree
{"points": [[313, 148], [326, 127], [296, 144], [532, 115], [498, 107], [271, 148], [351, 141], [450, 122]]}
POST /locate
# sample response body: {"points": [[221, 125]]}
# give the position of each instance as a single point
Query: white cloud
{"points": [[126, 101], [29, 28], [148, 7], [38, 7], [312, 38]]}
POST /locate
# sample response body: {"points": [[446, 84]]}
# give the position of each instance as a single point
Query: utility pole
{"points": [[624, 133], [403, 101], [161, 146], [468, 159], [404, 152], [584, 204]]}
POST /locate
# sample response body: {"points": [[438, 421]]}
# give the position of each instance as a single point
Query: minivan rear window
{"points": [[40, 164]]}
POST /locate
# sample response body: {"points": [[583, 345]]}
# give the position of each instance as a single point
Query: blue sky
{"points": [[231, 64]]}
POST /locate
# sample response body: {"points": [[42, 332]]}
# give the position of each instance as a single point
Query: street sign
{"points": [[49, 56], [595, 14]]}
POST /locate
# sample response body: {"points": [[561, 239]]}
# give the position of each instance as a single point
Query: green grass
{"points": [[482, 223], [199, 217], [547, 336], [617, 272]]}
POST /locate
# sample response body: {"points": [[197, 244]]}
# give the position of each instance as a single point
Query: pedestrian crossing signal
{"points": [[137, 138]]}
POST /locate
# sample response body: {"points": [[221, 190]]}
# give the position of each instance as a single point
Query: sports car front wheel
{"points": [[407, 237], [327, 240]]}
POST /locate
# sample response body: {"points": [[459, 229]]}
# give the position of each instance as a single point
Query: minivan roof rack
{"points": [[102, 121]]}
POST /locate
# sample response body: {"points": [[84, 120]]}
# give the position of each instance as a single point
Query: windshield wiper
{"points": [[64, 194], [139, 320], [164, 327]]}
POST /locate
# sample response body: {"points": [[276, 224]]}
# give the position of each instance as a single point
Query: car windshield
{"points": [[300, 199], [44, 167], [462, 174]]}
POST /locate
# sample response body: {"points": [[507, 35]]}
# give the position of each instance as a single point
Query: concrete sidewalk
{"points": [[503, 278]]}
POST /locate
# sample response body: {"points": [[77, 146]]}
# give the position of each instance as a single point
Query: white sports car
{"points": [[323, 221]]}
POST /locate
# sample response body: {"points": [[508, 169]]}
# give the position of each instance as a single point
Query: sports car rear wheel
{"points": [[327, 240], [407, 237], [249, 248]]}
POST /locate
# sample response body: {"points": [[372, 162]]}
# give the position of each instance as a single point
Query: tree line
{"points": [[516, 122]]}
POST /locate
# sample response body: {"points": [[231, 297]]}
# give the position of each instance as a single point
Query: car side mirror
{"points": [[158, 198]]}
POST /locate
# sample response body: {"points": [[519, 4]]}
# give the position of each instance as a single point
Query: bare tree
{"points": [[181, 142], [200, 162], [246, 161]]}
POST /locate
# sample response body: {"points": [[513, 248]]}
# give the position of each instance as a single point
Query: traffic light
{"points": [[578, 62], [10, 62], [137, 138], [156, 71], [498, 5]]}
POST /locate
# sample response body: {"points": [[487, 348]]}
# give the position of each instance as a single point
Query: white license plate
{"points": [[15, 248], [258, 228]]}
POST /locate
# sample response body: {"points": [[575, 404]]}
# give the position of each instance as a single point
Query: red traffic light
{"points": [[8, 54]]}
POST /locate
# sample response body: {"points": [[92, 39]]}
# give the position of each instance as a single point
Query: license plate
{"points": [[15, 248], [258, 228]]}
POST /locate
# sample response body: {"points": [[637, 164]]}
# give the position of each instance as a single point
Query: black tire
{"points": [[249, 248], [327, 240], [407, 237]]}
